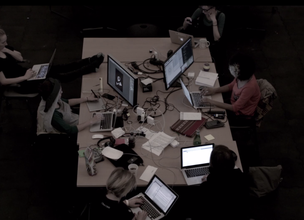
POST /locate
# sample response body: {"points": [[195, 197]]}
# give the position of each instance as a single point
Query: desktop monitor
{"points": [[178, 63], [122, 80]]}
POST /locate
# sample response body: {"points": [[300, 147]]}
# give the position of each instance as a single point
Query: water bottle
{"points": [[197, 138], [132, 140]]}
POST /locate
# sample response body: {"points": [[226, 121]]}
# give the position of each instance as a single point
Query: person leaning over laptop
{"points": [[114, 204], [11, 72], [245, 91], [224, 192], [54, 114]]}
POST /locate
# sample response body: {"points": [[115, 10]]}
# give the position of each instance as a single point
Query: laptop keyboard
{"points": [[107, 122], [196, 97], [200, 171], [151, 211]]}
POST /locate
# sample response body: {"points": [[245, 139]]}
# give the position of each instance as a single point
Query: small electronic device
{"points": [[219, 116], [122, 80], [108, 96], [175, 66], [97, 156], [214, 124]]}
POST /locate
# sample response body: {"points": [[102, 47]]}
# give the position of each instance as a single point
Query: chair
{"points": [[244, 133]]}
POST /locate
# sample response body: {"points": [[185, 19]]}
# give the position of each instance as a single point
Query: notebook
{"points": [[195, 162], [159, 197], [97, 105], [195, 98], [42, 70], [178, 38], [107, 124]]}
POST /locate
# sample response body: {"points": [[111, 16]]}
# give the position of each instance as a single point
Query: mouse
{"points": [[97, 136]]}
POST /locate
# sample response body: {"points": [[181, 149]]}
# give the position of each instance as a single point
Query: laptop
{"points": [[96, 105], [159, 199], [42, 70], [194, 98], [108, 124], [195, 162], [179, 38]]}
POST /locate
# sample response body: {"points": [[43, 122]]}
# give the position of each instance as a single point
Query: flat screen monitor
{"points": [[178, 63], [122, 80]]}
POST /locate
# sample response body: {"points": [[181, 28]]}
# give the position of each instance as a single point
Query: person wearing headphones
{"points": [[114, 204], [54, 113], [245, 91]]}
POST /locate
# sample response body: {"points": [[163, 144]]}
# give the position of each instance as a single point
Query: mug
{"points": [[203, 43]]}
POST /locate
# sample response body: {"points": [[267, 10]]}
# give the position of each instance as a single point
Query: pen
{"points": [[94, 93]]}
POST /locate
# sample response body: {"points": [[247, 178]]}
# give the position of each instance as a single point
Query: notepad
{"points": [[206, 78], [190, 116]]}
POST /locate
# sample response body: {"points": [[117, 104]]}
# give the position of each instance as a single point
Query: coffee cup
{"points": [[133, 168], [203, 43]]}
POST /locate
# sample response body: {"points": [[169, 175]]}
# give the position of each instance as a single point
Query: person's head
{"points": [[206, 9], [49, 89], [241, 66], [222, 159], [121, 182], [3, 39]]}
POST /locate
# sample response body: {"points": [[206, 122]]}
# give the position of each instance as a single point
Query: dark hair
{"points": [[222, 159], [245, 64]]}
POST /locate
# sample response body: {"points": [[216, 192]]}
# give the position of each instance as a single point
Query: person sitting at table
{"points": [[209, 22], [245, 91], [54, 114], [223, 193], [11, 72], [114, 204]]}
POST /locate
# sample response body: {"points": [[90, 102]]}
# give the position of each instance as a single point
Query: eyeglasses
{"points": [[206, 10]]}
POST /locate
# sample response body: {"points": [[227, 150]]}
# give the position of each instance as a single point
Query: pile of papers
{"points": [[206, 78]]}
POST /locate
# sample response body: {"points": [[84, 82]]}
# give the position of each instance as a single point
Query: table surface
{"points": [[168, 163], [137, 49]]}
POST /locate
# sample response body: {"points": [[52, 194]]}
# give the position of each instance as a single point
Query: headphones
{"points": [[109, 143]]}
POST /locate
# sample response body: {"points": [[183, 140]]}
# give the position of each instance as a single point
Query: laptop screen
{"points": [[161, 194], [186, 92], [196, 155]]}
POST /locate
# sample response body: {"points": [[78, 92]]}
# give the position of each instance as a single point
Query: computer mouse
{"points": [[97, 136]]}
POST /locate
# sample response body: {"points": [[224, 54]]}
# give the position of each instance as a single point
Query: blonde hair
{"points": [[121, 182]]}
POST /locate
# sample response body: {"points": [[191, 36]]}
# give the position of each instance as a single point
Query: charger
{"points": [[139, 111], [150, 120]]}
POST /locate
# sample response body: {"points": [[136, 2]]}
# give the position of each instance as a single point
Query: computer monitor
{"points": [[178, 63], [122, 80]]}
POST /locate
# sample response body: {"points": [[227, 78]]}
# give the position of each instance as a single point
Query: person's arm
{"points": [[207, 91], [194, 16], [217, 25], [218, 104], [77, 101], [14, 53], [7, 81]]}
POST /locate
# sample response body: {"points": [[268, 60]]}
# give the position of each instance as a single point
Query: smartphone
{"points": [[108, 96]]}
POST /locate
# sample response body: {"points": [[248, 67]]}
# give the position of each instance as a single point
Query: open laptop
{"points": [[179, 38], [195, 162], [158, 197], [108, 124], [42, 70], [194, 98]]}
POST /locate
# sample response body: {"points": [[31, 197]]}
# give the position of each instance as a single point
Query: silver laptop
{"points": [[179, 38], [194, 98], [159, 199], [195, 162], [42, 70], [98, 105], [107, 124]]}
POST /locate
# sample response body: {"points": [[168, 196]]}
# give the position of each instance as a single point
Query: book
{"points": [[206, 78], [188, 127]]}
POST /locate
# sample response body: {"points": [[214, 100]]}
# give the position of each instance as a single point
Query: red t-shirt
{"points": [[245, 100]]}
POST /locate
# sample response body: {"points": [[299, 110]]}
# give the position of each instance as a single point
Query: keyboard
{"points": [[200, 171], [196, 97], [107, 122], [151, 211]]}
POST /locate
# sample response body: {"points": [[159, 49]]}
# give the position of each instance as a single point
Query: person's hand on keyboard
{"points": [[204, 178], [135, 202], [96, 118], [141, 215], [207, 91]]}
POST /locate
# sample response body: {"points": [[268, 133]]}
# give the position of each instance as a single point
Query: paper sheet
{"points": [[158, 143], [148, 173]]}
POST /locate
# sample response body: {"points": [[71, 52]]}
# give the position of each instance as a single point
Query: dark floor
{"points": [[32, 189]]}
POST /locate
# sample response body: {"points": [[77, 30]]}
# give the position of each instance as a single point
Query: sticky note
{"points": [[209, 137]]}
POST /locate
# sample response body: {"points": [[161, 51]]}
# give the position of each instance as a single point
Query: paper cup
{"points": [[133, 168]]}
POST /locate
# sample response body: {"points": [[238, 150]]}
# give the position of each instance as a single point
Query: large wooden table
{"points": [[168, 163]]}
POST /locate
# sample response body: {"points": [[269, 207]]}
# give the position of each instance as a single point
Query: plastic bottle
{"points": [[197, 138]]}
